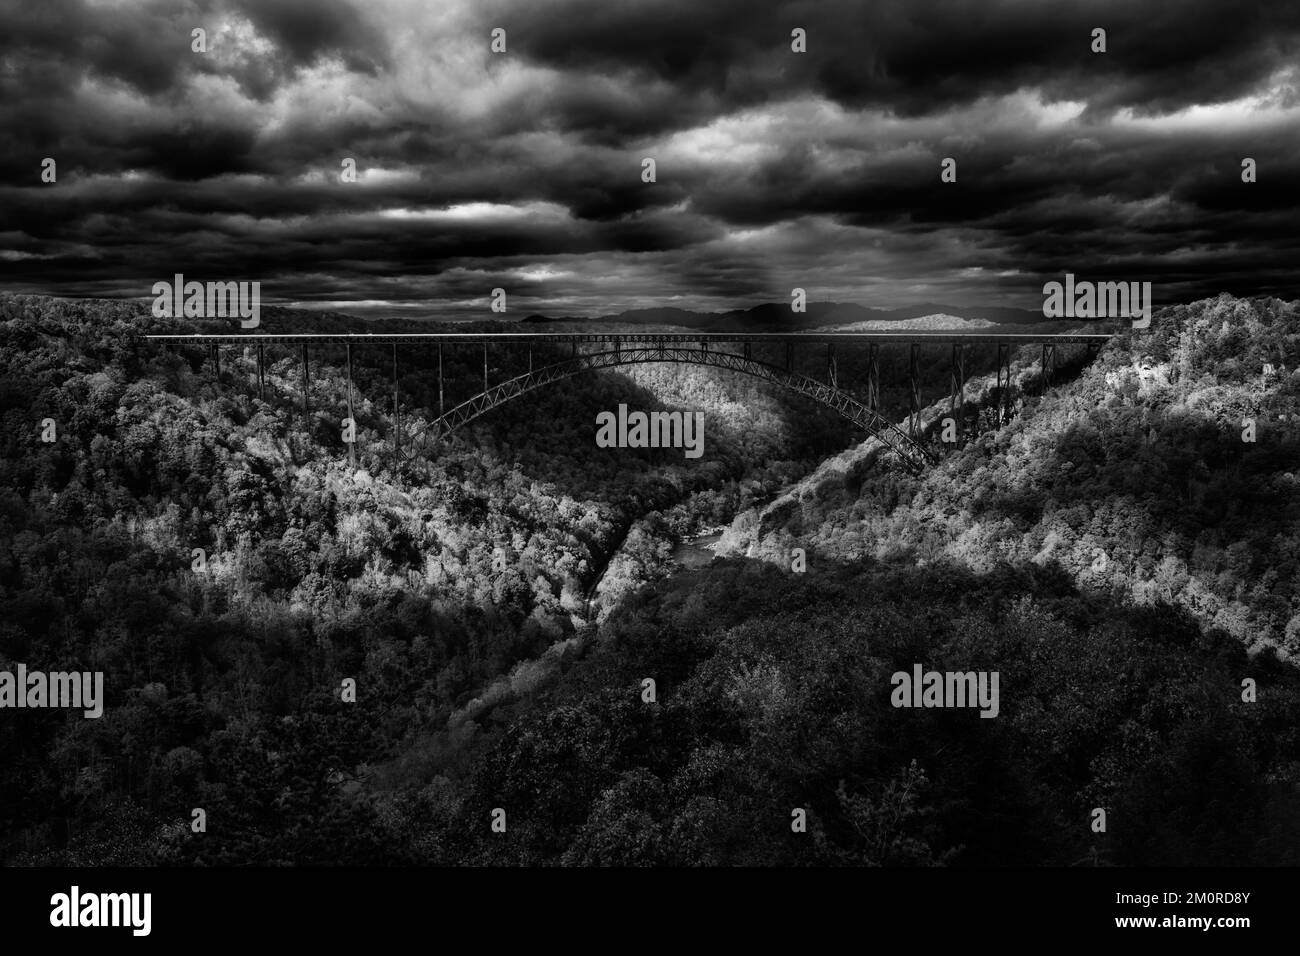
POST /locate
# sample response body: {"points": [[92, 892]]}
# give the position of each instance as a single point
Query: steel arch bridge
{"points": [[613, 349], [913, 456]]}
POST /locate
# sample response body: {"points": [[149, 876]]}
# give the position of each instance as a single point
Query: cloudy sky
{"points": [[523, 170]]}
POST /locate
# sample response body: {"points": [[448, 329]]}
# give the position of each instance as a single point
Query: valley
{"points": [[498, 607]]}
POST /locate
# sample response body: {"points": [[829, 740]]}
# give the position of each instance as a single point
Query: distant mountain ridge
{"points": [[818, 317], [938, 321]]}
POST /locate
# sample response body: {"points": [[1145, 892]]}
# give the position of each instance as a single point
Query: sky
{"points": [[523, 170]]}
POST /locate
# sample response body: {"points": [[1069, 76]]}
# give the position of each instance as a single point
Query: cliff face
{"points": [[1166, 470]]}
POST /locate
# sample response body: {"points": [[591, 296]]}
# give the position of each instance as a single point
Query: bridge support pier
{"points": [[831, 372], [873, 377], [214, 350], [1049, 365], [397, 415], [352, 445], [306, 410], [261, 370], [913, 393], [485, 384], [1004, 383], [957, 391], [442, 409], [789, 356]]}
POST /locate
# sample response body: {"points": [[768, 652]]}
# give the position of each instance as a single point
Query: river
{"points": [[691, 552], [696, 551]]}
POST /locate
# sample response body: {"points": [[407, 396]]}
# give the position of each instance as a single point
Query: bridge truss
{"points": [[913, 456]]}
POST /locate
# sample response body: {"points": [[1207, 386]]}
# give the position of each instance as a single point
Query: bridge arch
{"points": [[913, 456]]}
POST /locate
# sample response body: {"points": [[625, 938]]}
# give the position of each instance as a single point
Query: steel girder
{"points": [[911, 453]]}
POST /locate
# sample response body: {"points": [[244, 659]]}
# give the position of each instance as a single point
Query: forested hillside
{"points": [[423, 582], [1135, 479], [454, 592]]}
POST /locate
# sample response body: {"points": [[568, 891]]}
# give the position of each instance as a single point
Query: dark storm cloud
{"points": [[148, 45], [774, 169], [53, 42], [305, 30], [917, 57]]}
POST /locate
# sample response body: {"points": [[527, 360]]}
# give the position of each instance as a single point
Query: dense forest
{"points": [[454, 591], [1137, 479]]}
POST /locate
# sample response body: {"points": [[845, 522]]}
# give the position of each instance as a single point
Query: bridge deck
{"points": [[630, 338]]}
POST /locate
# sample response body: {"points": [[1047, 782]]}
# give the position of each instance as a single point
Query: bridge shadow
{"points": [[833, 396], [552, 429]]}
